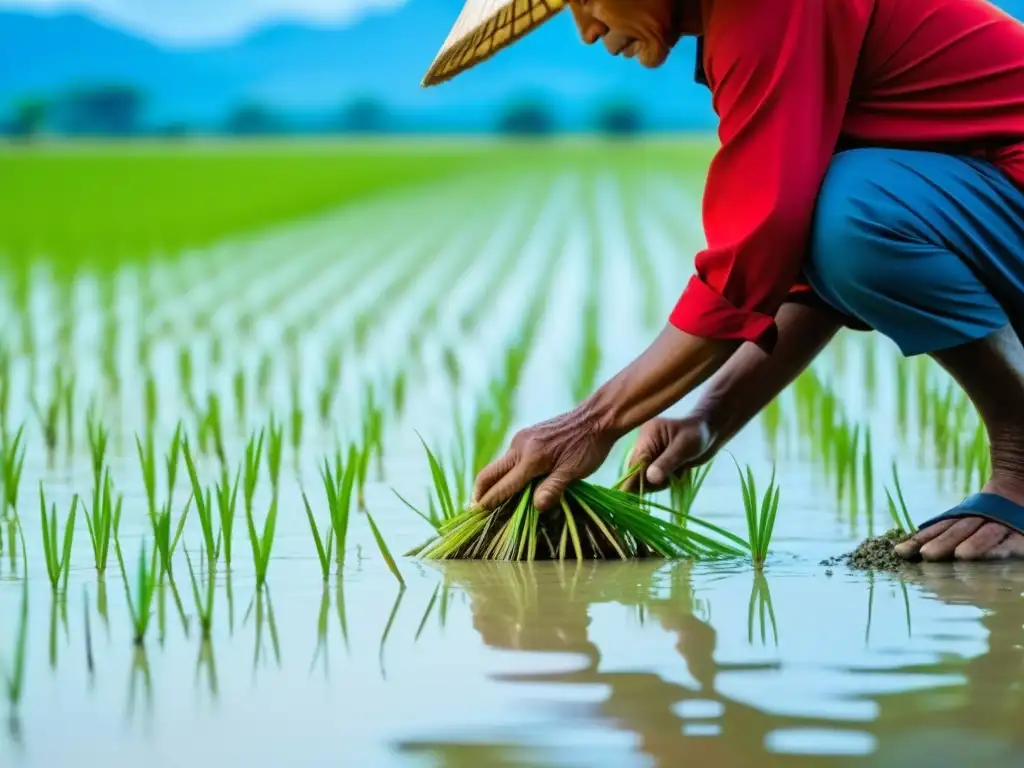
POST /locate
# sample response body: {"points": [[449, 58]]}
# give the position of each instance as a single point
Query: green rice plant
{"points": [[204, 508], [238, 389], [14, 678], [12, 456], [442, 508], [49, 418], [99, 437], [185, 375], [68, 397], [398, 389], [263, 375], [683, 492], [297, 421], [329, 388], [323, 550], [164, 543], [262, 544], [211, 429], [253, 455], [339, 483], [58, 563], [204, 603], [591, 523], [147, 464], [104, 522], [226, 494], [760, 513], [900, 515], [140, 606], [275, 446], [452, 367], [384, 551]]}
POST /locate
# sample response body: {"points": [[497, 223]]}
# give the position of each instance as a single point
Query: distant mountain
{"points": [[312, 71]]}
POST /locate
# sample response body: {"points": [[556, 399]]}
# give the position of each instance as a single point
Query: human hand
{"points": [[567, 448], [668, 447]]}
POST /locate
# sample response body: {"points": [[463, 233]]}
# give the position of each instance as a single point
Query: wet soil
{"points": [[875, 554]]}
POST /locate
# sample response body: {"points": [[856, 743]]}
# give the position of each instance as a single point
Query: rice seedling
{"points": [[275, 446], [147, 464], [328, 389], [442, 508], [226, 494], [384, 551], [760, 512], [323, 551], [68, 397], [49, 417], [14, 678], [398, 388], [58, 563], [140, 606], [264, 373], [204, 508], [104, 522], [339, 484], [591, 523], [211, 430], [185, 375], [164, 543], [149, 401], [99, 437], [262, 543], [297, 421], [12, 456], [683, 492], [253, 456], [452, 367], [238, 390], [204, 602], [900, 515]]}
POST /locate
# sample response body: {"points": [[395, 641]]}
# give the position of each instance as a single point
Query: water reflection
{"points": [[548, 608], [693, 709]]}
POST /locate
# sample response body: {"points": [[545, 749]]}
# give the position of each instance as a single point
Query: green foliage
{"points": [[384, 551], [760, 512], [323, 550], [900, 515], [683, 491], [58, 562], [204, 508], [339, 483], [104, 522], [204, 603], [262, 544], [140, 606], [12, 457]]}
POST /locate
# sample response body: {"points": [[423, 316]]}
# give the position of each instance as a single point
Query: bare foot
{"points": [[969, 538]]}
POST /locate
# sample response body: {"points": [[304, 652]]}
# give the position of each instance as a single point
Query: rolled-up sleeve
{"points": [[780, 88]]}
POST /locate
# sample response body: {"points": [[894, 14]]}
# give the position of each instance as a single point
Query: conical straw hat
{"points": [[485, 27]]}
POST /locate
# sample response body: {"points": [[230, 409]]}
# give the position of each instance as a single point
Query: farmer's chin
{"points": [[653, 55]]}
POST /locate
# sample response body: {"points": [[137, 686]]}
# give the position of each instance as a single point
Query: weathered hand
{"points": [[668, 447], [564, 449]]}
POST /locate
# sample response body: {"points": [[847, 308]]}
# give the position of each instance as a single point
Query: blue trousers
{"points": [[925, 248]]}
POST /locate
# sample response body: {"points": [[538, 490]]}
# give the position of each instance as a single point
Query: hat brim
{"points": [[474, 40]]}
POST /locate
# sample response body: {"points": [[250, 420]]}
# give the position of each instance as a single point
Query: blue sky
{"points": [[193, 21]]}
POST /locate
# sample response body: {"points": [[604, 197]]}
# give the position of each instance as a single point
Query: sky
{"points": [[186, 22]]}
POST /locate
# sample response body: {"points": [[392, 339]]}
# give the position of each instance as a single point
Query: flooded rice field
{"points": [[456, 311]]}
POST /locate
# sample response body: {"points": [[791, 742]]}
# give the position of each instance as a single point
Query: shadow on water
{"points": [[959, 708]]}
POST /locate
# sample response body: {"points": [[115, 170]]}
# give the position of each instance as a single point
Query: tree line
{"points": [[121, 111]]}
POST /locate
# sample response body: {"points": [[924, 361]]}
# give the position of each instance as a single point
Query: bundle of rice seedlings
{"points": [[591, 523]]}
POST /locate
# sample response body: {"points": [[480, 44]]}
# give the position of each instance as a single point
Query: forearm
{"points": [[752, 378], [674, 365]]}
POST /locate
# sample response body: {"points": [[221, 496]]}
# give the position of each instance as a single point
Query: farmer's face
{"points": [[646, 29]]}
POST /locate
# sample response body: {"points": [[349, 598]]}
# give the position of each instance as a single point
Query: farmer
{"points": [[871, 173]]}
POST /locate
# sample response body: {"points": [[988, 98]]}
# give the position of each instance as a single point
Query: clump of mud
{"points": [[875, 554]]}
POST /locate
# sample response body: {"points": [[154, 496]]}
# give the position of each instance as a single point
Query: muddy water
{"points": [[486, 665]]}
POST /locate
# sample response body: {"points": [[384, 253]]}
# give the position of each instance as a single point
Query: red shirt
{"points": [[796, 80]]}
